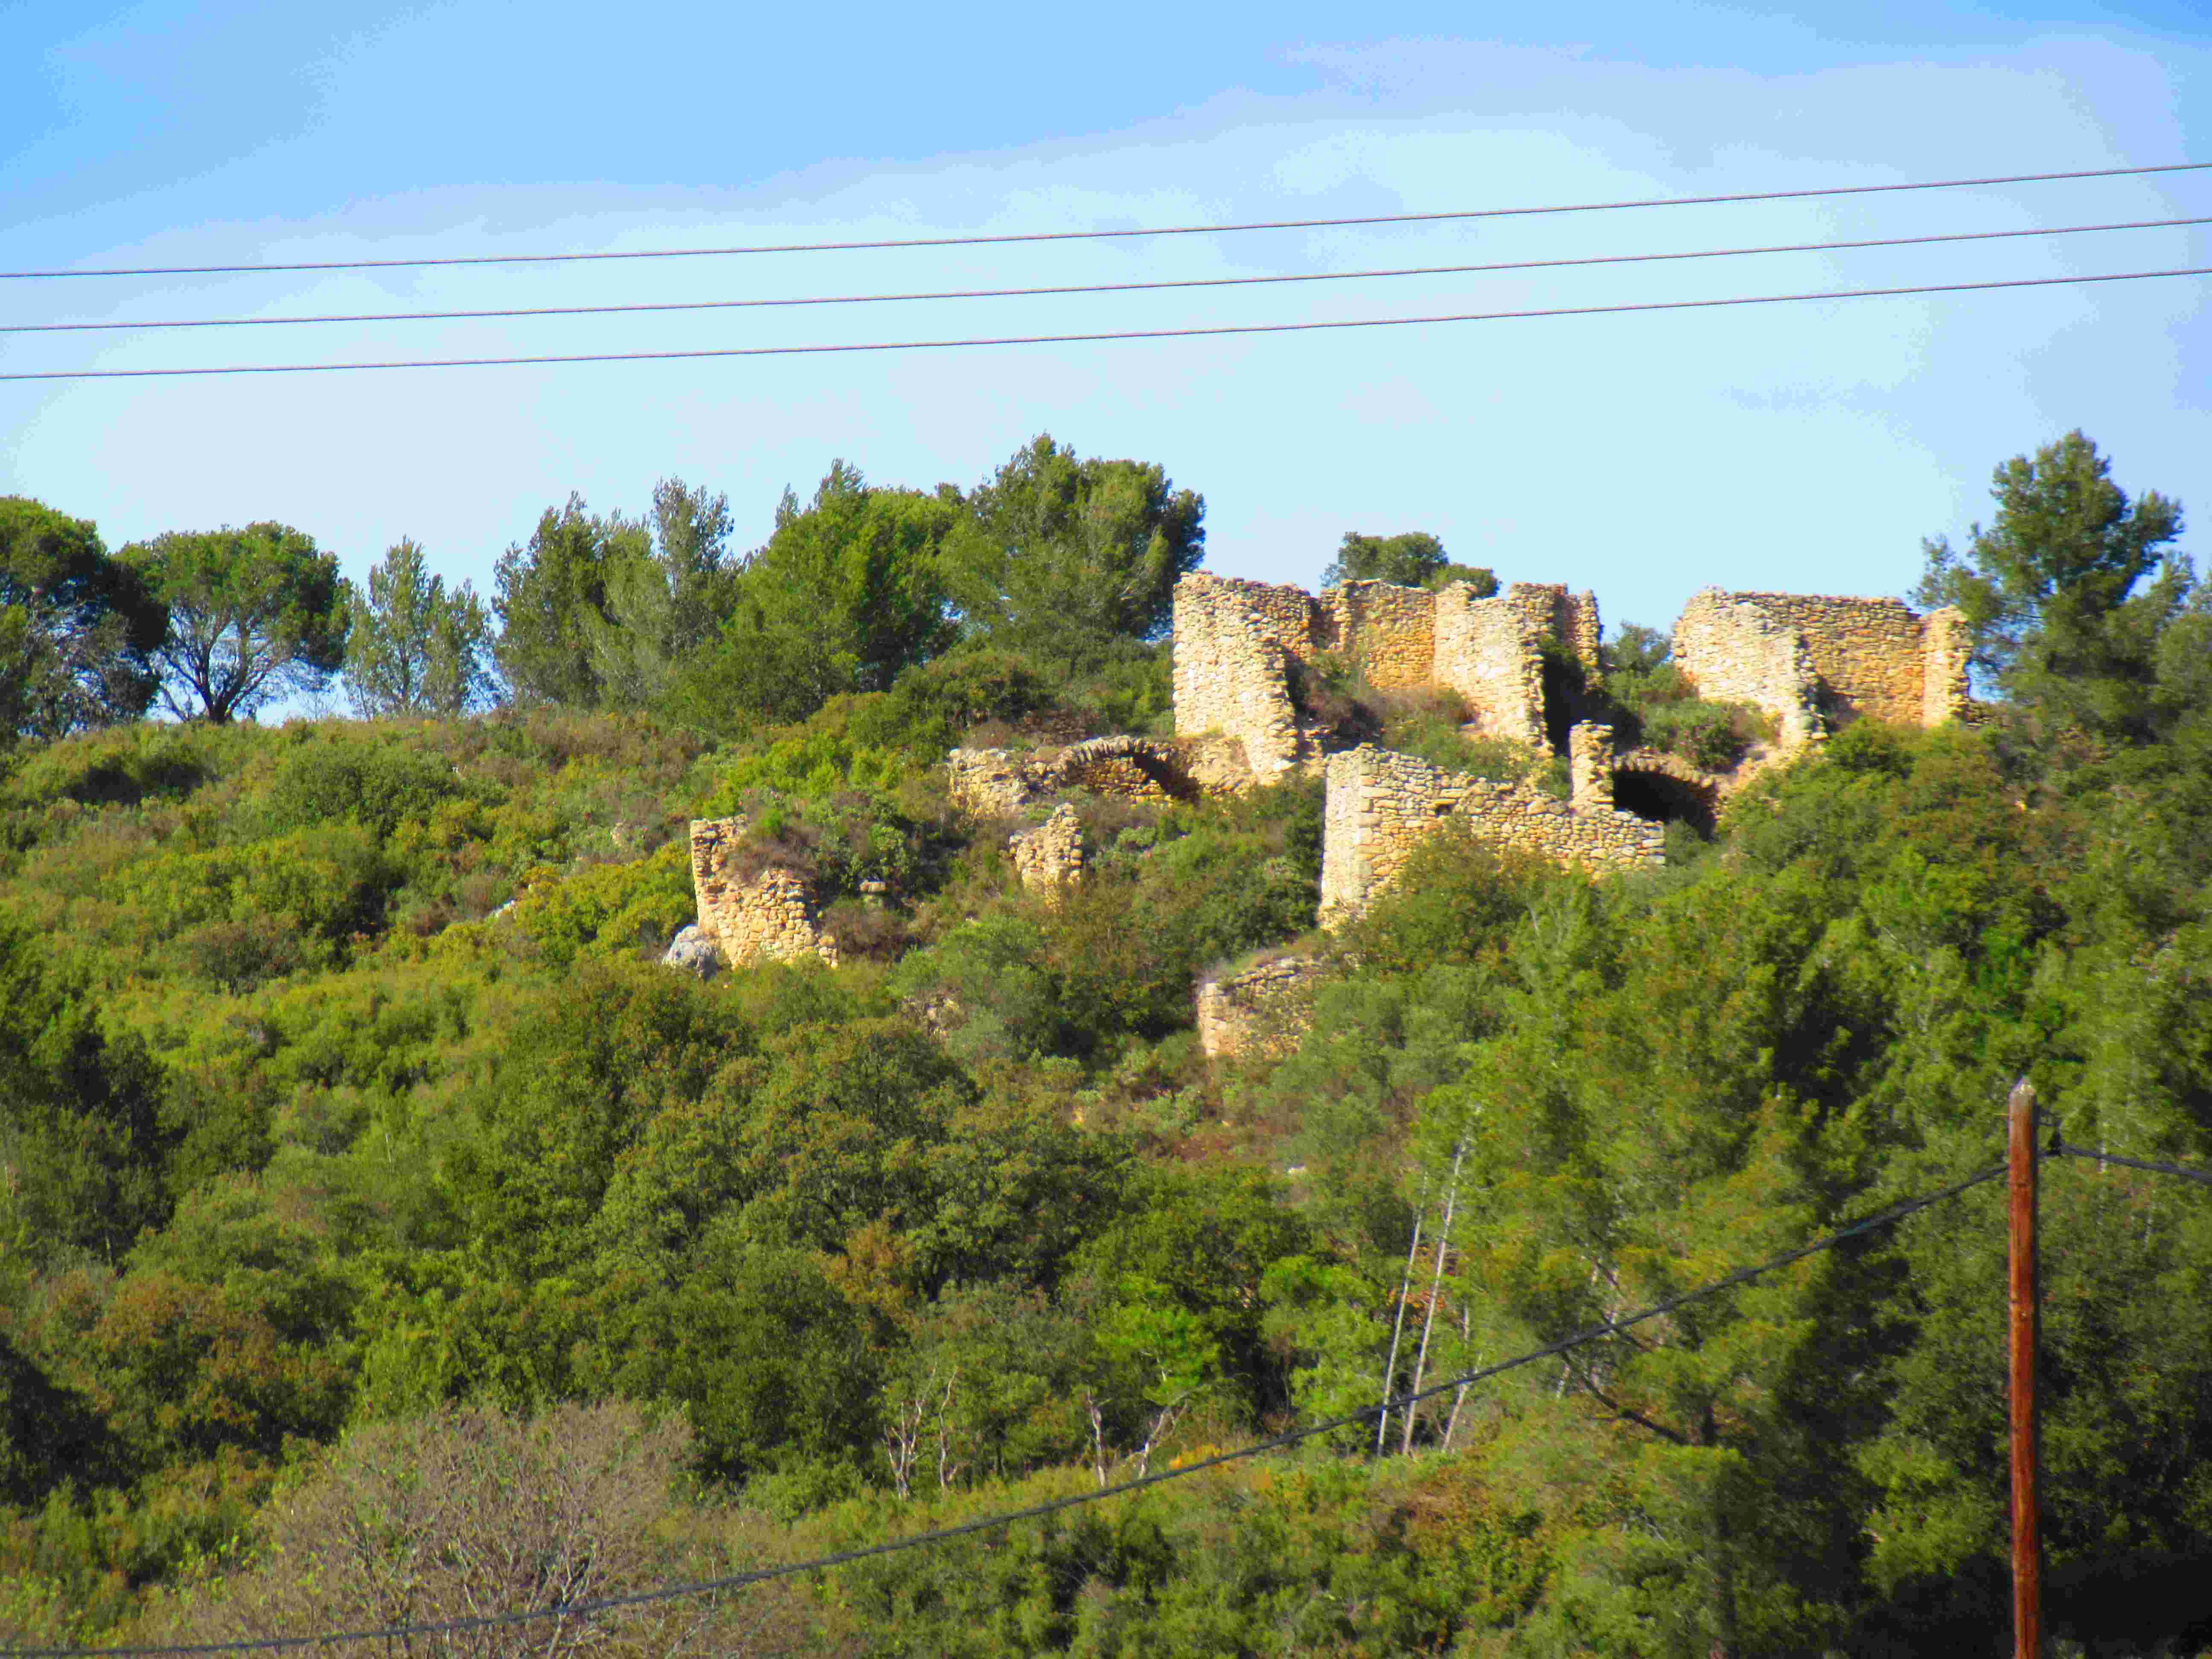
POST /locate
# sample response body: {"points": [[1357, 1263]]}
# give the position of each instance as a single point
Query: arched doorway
{"points": [[1663, 797]]}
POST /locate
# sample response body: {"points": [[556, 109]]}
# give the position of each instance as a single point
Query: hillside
{"points": [[392, 1235]]}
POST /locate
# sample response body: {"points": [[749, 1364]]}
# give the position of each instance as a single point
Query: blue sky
{"points": [[1805, 447]]}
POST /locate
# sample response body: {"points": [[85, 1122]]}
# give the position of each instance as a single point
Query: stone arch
{"points": [[1664, 789], [1128, 767]]}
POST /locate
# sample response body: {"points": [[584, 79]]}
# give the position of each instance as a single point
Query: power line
{"points": [[2202, 1177], [1211, 331], [1101, 236], [1083, 288], [897, 1545]]}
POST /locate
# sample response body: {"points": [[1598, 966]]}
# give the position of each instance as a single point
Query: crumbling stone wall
{"points": [[1814, 660], [1237, 644], [1589, 766], [1733, 651], [1260, 1013], [1490, 651], [1382, 806], [993, 782], [1049, 859], [771, 917], [1390, 631], [1945, 645], [1234, 644]]}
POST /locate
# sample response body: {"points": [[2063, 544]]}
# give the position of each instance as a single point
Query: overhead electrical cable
{"points": [[151, 324], [2201, 1177], [1199, 331], [892, 1547], [1004, 238]]}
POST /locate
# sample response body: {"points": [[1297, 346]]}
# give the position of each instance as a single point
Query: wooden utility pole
{"points": [[2027, 1525]]}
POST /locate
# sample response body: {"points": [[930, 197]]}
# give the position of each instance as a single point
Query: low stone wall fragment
{"points": [[1050, 858], [1261, 1012], [1382, 806]]}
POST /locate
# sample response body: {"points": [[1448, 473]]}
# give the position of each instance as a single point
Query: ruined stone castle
{"points": [[1248, 657], [1244, 653]]}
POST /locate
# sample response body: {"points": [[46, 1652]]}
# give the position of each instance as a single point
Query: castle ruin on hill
{"points": [[1247, 659], [1244, 653]]}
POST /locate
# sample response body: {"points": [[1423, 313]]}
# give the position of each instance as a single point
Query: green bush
{"points": [[609, 909], [1712, 735], [356, 779]]}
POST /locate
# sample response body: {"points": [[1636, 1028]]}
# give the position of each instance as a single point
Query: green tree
{"points": [[254, 615], [78, 628], [1636, 649], [1058, 555], [2054, 589], [662, 610], [847, 594], [1413, 558], [414, 648], [551, 597], [691, 544], [82, 1142]]}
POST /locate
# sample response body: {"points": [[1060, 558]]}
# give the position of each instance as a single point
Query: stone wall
{"points": [[1589, 766], [1733, 651], [1049, 859], [1815, 660], [1390, 632], [995, 782], [1234, 643], [769, 917], [1490, 651], [1260, 1013], [1382, 806], [1867, 651], [1945, 645], [1237, 643], [1580, 629]]}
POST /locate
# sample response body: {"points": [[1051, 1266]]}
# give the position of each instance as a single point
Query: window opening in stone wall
{"points": [[1658, 799]]}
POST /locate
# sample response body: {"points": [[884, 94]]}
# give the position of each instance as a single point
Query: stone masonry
{"points": [[1260, 1012], [1239, 644], [1049, 859], [1815, 662], [995, 782], [770, 918], [1382, 806]]}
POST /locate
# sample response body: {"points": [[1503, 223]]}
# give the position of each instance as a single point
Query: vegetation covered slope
{"points": [[363, 1167]]}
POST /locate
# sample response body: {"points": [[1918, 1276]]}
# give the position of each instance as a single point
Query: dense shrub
{"points": [[356, 780]]}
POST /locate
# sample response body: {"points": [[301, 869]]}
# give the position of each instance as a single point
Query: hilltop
{"points": [[392, 1230]]}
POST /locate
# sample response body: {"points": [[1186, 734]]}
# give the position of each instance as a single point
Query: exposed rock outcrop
{"points": [[693, 951]]}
